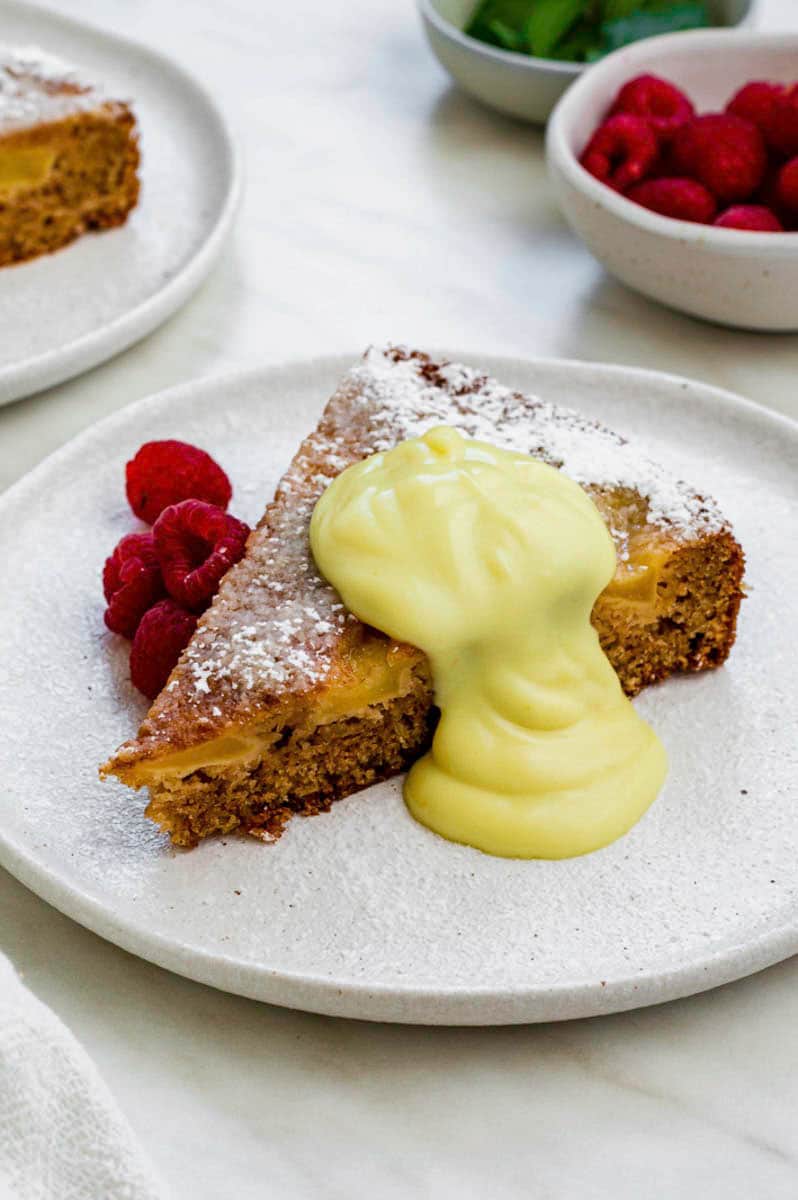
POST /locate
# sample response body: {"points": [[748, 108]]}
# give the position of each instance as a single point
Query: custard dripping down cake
{"points": [[283, 702], [68, 156]]}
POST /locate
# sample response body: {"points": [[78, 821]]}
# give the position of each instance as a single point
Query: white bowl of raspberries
{"points": [[676, 162]]}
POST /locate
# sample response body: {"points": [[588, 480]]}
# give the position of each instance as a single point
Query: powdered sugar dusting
{"points": [[276, 626], [36, 86], [407, 404]]}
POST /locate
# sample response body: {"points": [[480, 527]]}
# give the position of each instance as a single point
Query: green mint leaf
{"points": [[500, 22], [651, 22], [579, 44], [549, 22], [506, 37], [615, 10]]}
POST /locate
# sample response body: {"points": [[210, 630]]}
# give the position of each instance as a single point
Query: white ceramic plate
{"points": [[68, 311], [362, 912]]}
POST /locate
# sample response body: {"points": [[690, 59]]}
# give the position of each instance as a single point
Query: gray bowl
{"points": [[517, 84]]}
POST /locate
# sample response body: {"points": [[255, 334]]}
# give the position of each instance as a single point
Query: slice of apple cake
{"points": [[283, 702], [69, 156]]}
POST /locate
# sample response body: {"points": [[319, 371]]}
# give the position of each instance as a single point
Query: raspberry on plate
{"points": [[132, 582], [663, 105], [164, 473], [621, 152], [162, 635], [756, 218], [724, 152], [196, 544], [684, 199]]}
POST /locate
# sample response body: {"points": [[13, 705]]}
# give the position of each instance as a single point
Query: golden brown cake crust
{"points": [[69, 157], [276, 648]]}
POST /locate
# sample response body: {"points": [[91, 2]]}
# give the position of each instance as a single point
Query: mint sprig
{"points": [[580, 30]]}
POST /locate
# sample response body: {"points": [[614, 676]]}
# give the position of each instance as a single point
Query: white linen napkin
{"points": [[62, 1136]]}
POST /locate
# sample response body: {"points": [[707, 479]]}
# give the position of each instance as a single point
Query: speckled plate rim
{"points": [[404, 1004], [41, 371]]}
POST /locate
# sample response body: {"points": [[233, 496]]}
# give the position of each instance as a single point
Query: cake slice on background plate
{"points": [[69, 156], [283, 702]]}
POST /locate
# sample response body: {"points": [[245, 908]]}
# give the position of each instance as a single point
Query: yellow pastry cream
{"points": [[490, 562]]}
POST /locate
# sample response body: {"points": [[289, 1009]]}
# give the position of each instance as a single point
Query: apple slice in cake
{"points": [[283, 702]]}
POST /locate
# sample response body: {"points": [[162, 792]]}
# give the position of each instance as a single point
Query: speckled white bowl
{"points": [[517, 84], [749, 280]]}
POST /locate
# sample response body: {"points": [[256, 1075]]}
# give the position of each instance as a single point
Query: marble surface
{"points": [[383, 204]]}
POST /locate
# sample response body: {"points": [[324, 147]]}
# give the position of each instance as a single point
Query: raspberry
{"points": [[753, 217], [196, 544], [783, 130], [164, 473], [664, 107], [162, 635], [773, 108], [767, 193], [787, 187], [621, 151], [724, 152], [131, 582], [757, 102], [684, 199]]}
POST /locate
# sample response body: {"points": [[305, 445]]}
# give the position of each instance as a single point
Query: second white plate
{"points": [[65, 312], [362, 912]]}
